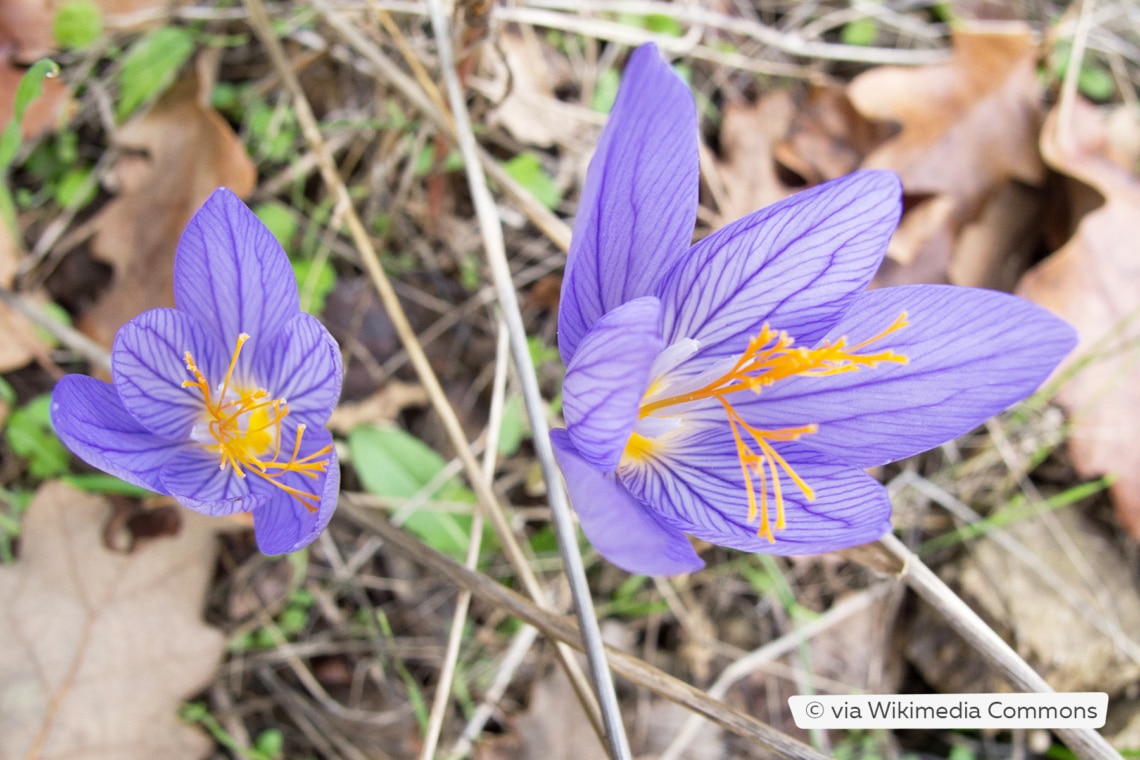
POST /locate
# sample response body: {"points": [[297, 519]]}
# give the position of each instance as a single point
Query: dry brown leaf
{"points": [[968, 129], [1073, 656], [1094, 283], [554, 727], [527, 106], [967, 125], [384, 405], [97, 648], [183, 150], [17, 336], [27, 23], [747, 167], [828, 137]]}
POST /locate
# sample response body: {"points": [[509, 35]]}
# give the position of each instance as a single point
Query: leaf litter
{"points": [[359, 631]]}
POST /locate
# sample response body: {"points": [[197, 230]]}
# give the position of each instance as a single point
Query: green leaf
{"points": [[391, 462], [31, 437], [425, 162], [396, 464], [605, 91], [77, 24], [315, 280], [7, 392], [514, 428], [861, 32], [150, 66], [1095, 82], [280, 220], [98, 482], [75, 188], [527, 170], [31, 87]]}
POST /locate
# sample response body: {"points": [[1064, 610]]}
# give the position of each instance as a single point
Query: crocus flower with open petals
{"points": [[221, 401], [735, 390]]}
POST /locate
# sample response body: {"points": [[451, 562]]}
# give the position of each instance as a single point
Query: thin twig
{"points": [[516, 653], [1085, 742], [475, 540], [491, 228], [752, 661], [562, 629], [1072, 75], [784, 40], [70, 337], [259, 21], [1079, 604]]}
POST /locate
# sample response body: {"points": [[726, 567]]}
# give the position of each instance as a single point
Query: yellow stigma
{"points": [[769, 358], [243, 425]]}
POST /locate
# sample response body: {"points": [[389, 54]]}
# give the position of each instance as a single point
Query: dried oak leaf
{"points": [[97, 648], [17, 336], [181, 150], [526, 78], [28, 23], [1094, 283], [747, 171], [968, 128], [828, 137]]}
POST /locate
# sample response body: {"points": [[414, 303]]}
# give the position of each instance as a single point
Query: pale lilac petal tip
{"points": [[606, 378], [639, 202], [620, 527], [91, 421], [796, 265], [231, 273]]}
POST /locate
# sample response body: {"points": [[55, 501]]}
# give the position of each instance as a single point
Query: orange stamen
{"points": [[771, 356], [246, 427]]}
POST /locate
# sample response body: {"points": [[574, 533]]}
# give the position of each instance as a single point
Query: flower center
{"points": [[243, 425], [770, 357]]}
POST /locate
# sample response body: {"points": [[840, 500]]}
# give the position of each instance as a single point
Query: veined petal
{"points": [[796, 265], [972, 353], [639, 202], [194, 478], [92, 422], [232, 274], [282, 524], [302, 365], [607, 377], [697, 486], [149, 366], [620, 527]]}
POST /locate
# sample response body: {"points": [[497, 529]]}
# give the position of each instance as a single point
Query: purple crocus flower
{"points": [[221, 401], [735, 390]]}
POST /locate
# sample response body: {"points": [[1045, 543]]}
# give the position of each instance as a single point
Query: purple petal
{"points": [[231, 273], [971, 354], [91, 421], [621, 528], [639, 201], [696, 485], [282, 524], [195, 478], [148, 364], [606, 378], [302, 365], [796, 265]]}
